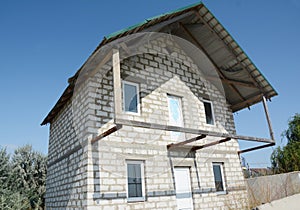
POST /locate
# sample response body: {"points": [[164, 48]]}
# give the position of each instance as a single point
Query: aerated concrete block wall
{"points": [[66, 184], [98, 180]]}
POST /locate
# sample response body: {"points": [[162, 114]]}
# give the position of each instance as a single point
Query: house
{"points": [[255, 172], [147, 121]]}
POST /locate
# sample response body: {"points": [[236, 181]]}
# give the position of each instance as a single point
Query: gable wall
{"points": [[94, 176], [158, 75], [66, 184]]}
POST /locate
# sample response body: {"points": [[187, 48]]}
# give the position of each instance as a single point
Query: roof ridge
{"points": [[116, 33]]}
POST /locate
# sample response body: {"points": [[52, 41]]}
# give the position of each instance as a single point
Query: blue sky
{"points": [[43, 43]]}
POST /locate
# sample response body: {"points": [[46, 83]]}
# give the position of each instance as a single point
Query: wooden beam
{"points": [[251, 138], [106, 58], [186, 141], [133, 123], [84, 75], [231, 81], [256, 148], [106, 133], [215, 65], [194, 148], [247, 102], [117, 82], [268, 118], [125, 48]]}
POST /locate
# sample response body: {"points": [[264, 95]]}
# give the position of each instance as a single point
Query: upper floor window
{"points": [[175, 111], [135, 180], [175, 116], [131, 97], [209, 114], [219, 177]]}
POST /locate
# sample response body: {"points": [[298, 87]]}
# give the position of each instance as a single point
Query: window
{"points": [[208, 108], [219, 177], [130, 97], [175, 111], [135, 181], [175, 116]]}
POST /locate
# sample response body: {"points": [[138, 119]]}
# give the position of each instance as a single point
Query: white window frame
{"points": [[212, 112], [180, 106], [142, 164], [221, 165], [138, 97], [182, 135]]}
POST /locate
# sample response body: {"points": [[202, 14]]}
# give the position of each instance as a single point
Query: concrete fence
{"points": [[265, 189]]}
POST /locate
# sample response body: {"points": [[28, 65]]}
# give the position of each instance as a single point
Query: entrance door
{"points": [[183, 189]]}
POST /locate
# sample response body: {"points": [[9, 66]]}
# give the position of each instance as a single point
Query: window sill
{"points": [[132, 113], [133, 200], [221, 192], [210, 125]]}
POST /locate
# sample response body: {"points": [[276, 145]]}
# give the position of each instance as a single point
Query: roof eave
{"points": [[67, 94]]}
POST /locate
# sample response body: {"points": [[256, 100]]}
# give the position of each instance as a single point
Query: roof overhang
{"points": [[243, 84]]}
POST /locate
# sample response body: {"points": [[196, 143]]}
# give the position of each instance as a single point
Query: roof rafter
{"points": [[231, 50], [231, 81], [249, 101], [213, 62]]}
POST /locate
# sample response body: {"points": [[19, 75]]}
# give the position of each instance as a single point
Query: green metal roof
{"points": [[150, 19]]}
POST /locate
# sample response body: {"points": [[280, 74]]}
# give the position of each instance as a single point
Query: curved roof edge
{"points": [[261, 82]]}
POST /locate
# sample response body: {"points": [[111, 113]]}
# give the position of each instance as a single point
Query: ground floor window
{"points": [[135, 180], [219, 177]]}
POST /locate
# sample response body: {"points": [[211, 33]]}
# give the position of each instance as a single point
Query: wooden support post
{"points": [[268, 118], [117, 83]]}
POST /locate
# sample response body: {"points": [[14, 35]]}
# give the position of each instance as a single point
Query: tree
{"points": [[4, 167], [29, 171], [287, 158], [293, 132], [22, 179], [9, 198]]}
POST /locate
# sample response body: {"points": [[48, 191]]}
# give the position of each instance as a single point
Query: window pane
{"points": [[208, 113], [175, 116], [218, 177], [175, 111], [134, 180], [130, 98]]}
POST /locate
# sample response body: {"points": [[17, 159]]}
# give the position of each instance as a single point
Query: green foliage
{"points": [[4, 167], [287, 158], [293, 132], [11, 200], [22, 179]]}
